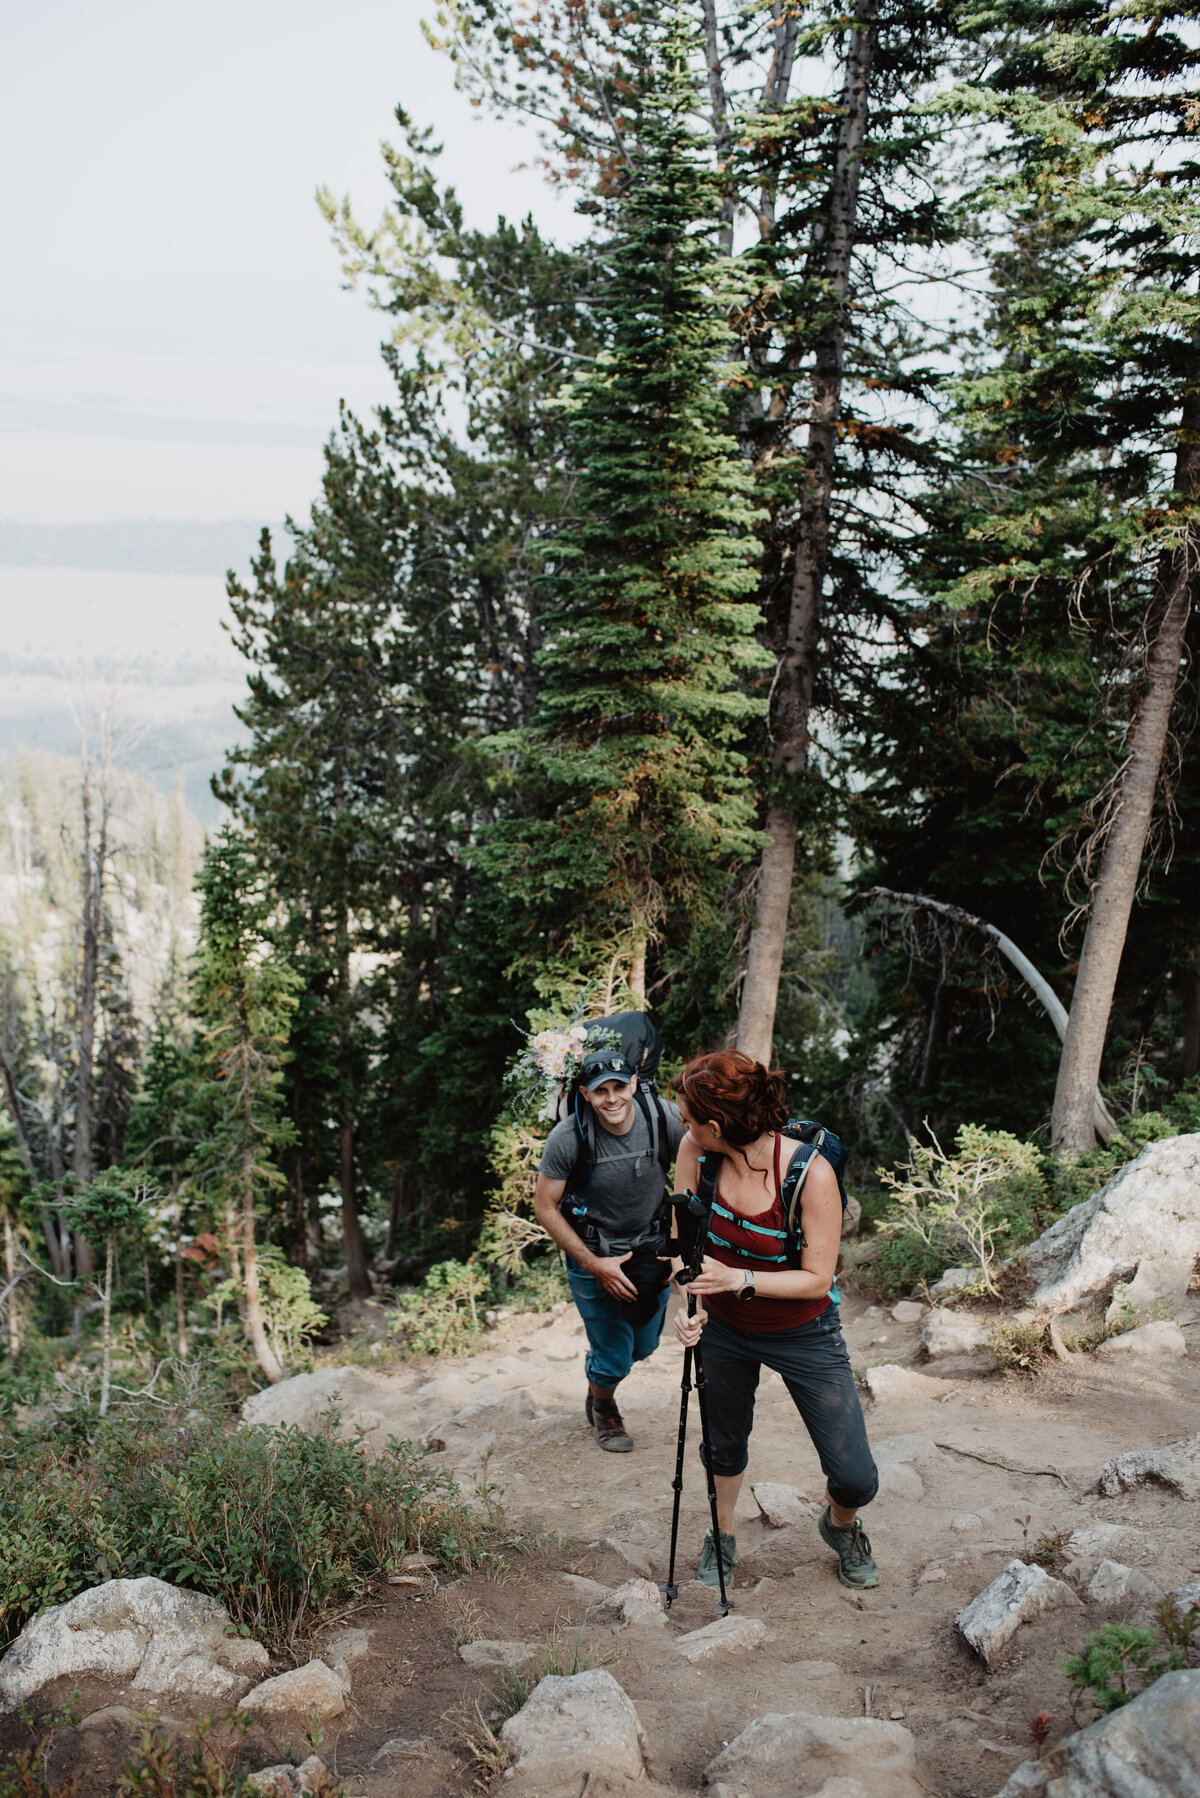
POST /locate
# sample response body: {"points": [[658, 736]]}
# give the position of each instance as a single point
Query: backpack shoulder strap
{"points": [[709, 1180], [579, 1185], [792, 1190]]}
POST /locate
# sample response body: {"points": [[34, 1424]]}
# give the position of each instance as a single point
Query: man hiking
{"points": [[601, 1194]]}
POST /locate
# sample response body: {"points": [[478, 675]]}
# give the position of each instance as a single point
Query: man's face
{"points": [[613, 1102]]}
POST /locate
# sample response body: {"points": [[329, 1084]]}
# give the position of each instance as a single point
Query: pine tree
{"points": [[639, 803], [244, 998]]}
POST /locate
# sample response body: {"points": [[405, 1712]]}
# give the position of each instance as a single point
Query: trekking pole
{"points": [[702, 1397], [671, 1591]]}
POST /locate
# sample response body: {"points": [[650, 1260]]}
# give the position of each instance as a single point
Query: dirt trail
{"points": [[966, 1456]]}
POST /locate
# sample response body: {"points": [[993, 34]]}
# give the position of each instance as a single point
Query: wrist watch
{"points": [[747, 1290]]}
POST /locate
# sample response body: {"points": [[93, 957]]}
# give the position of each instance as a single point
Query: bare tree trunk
{"points": [[106, 1332], [356, 1260], [637, 967], [1071, 1129], [252, 1317], [832, 251], [395, 1208], [94, 852], [11, 1304], [720, 120]]}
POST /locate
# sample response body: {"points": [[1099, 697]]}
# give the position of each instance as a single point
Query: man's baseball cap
{"points": [[605, 1064]]}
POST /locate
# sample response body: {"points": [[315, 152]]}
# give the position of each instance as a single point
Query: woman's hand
{"points": [[688, 1329], [714, 1276]]}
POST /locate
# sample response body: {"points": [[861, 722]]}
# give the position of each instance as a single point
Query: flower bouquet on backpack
{"points": [[544, 1070]]}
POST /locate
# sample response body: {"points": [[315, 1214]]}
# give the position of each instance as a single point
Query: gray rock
{"points": [[588, 1589], [1148, 1749], [495, 1654], [347, 1648], [907, 1449], [632, 1555], [315, 1688], [908, 1311], [285, 1781], [398, 1749], [890, 1382], [851, 1216], [1177, 1467], [1114, 1583], [945, 1332], [640, 1591], [795, 1755], [489, 1409], [898, 1480], [719, 1637], [1150, 1210], [966, 1522], [1018, 1594], [143, 1635], [1186, 1596], [306, 1398], [783, 1505], [1155, 1283], [570, 1725], [1161, 1340], [953, 1280]]}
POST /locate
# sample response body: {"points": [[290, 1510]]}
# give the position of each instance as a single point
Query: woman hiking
{"points": [[755, 1311]]}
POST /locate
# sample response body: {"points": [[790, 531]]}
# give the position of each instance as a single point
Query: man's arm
{"points": [[606, 1268]]}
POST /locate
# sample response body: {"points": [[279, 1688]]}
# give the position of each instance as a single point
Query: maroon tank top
{"points": [[736, 1231]]}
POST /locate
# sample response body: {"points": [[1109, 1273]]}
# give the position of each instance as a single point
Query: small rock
{"points": [[1160, 1339], [284, 1780], [1018, 1594], [1113, 1583], [907, 1449], [417, 1562], [1147, 1749], [795, 1755], [632, 1555], [783, 1505], [726, 1632], [888, 1381], [405, 1579], [908, 1311], [299, 1693], [570, 1725], [589, 1589], [1177, 1467], [1185, 1596], [898, 1480], [495, 1654], [928, 1574], [398, 1749], [641, 1591], [946, 1332], [634, 1611], [953, 1280], [488, 1408], [143, 1634], [966, 1521], [1155, 1283], [347, 1648]]}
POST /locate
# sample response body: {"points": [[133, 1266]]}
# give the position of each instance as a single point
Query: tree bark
{"points": [[11, 1305], [106, 1333], [830, 261], [1071, 1129], [356, 1260], [720, 120], [1190, 1058], [252, 1317]]}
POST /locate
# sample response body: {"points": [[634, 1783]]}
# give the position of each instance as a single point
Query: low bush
{"points": [[961, 1209], [279, 1525], [1118, 1661]]}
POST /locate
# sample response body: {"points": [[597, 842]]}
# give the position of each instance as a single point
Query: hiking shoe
{"points": [[853, 1550], [610, 1430], [707, 1570]]}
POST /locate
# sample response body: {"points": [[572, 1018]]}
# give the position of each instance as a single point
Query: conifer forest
{"points": [[771, 608]]}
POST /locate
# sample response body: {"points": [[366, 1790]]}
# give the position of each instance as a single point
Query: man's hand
{"points": [[607, 1269], [688, 1329]]}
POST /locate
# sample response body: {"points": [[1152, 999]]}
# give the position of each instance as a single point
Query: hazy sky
{"points": [[173, 336]]}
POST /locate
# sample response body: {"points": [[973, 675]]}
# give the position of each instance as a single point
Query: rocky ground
{"points": [[976, 1468]]}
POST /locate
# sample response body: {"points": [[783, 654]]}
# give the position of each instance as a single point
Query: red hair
{"points": [[734, 1092]]}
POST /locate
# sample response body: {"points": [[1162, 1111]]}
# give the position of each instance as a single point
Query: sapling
{"points": [[113, 1205]]}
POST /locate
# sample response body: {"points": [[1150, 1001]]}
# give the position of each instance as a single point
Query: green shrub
{"points": [[279, 1525], [442, 1316], [1118, 1661], [1077, 1179], [962, 1209]]}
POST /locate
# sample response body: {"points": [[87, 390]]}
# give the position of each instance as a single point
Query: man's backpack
{"points": [[788, 1242], [642, 1047]]}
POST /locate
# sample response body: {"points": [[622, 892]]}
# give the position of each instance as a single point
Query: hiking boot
{"points": [[607, 1423], [853, 1550], [707, 1570]]}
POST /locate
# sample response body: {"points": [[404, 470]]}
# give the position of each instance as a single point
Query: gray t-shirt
{"points": [[628, 1182]]}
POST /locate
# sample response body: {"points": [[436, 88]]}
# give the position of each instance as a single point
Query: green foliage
{"points": [[279, 1525], [963, 1207], [1076, 1178], [290, 1313], [441, 1316], [1118, 1661]]}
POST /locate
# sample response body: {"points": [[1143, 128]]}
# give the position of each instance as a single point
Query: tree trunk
{"points": [[11, 1306], [832, 249], [720, 121], [94, 855], [1190, 1059], [395, 1210], [1071, 1129], [356, 1260], [637, 968], [106, 1331], [252, 1317]]}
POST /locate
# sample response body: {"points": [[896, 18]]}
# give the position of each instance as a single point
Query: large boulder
{"points": [[794, 1755], [1160, 1340], [363, 1400], [142, 1634], [1177, 1467], [1148, 1749], [571, 1725], [1149, 1210], [1015, 1596]]}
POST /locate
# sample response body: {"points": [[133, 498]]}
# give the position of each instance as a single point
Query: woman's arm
{"points": [[822, 1213]]}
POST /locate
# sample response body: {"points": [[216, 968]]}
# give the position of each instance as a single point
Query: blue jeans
{"points": [[614, 1344]]}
